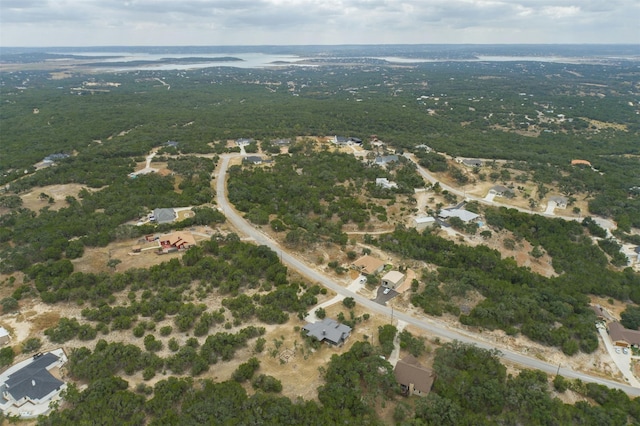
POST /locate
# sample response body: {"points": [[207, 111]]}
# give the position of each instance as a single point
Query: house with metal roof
{"points": [[464, 215], [27, 388], [329, 331]]}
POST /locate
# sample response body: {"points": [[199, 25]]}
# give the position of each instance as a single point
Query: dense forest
{"points": [[472, 388]]}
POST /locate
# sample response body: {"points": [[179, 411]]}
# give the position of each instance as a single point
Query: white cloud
{"points": [[206, 22]]}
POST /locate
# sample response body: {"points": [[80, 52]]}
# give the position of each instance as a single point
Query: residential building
{"points": [[253, 159], [414, 379], [464, 215], [383, 160], [578, 162], [561, 202], [392, 279], [340, 140], [163, 215], [500, 190], [329, 331], [27, 388], [423, 222], [386, 183], [368, 265], [624, 337], [243, 141], [471, 162]]}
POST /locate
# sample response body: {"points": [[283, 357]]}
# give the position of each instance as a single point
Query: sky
{"points": [[302, 22]]}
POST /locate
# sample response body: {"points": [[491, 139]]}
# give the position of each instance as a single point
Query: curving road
{"points": [[432, 326], [605, 223]]}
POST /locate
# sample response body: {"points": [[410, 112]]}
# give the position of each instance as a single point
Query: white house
{"points": [[464, 215], [422, 222], [386, 183]]}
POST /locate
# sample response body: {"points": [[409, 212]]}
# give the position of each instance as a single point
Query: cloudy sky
{"points": [[259, 22]]}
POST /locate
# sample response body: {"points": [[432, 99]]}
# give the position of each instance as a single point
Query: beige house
{"points": [[368, 265], [392, 279]]}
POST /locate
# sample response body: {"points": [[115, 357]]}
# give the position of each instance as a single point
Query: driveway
{"points": [[622, 361], [382, 298]]}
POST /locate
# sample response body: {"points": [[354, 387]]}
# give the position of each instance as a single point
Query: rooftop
{"points": [[409, 371], [33, 380], [464, 215], [328, 329], [368, 264]]}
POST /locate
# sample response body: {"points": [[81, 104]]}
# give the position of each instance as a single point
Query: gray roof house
{"points": [[164, 215], [386, 159], [31, 382], [500, 190], [472, 162], [340, 140], [329, 331], [253, 159], [561, 202]]}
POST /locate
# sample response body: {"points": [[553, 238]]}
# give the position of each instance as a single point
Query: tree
{"points": [[349, 302], [112, 263], [31, 345], [386, 335], [321, 313], [6, 356], [9, 304]]}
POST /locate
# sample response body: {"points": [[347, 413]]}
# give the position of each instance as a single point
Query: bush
{"points": [[6, 356], [245, 370], [9, 304], [267, 383], [31, 345], [166, 330], [349, 302]]}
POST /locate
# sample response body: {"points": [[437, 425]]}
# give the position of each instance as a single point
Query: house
{"points": [[385, 183], [340, 140], [281, 142], [392, 279], [414, 379], [424, 147], [164, 215], [464, 215], [356, 141], [383, 160], [500, 190], [621, 336], [471, 162], [422, 222], [176, 241], [329, 331], [171, 144], [580, 163], [4, 336], [27, 388], [253, 159], [561, 202], [243, 141], [368, 265]]}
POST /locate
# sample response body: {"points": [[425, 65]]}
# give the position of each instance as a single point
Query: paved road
{"points": [[605, 223], [431, 326]]}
